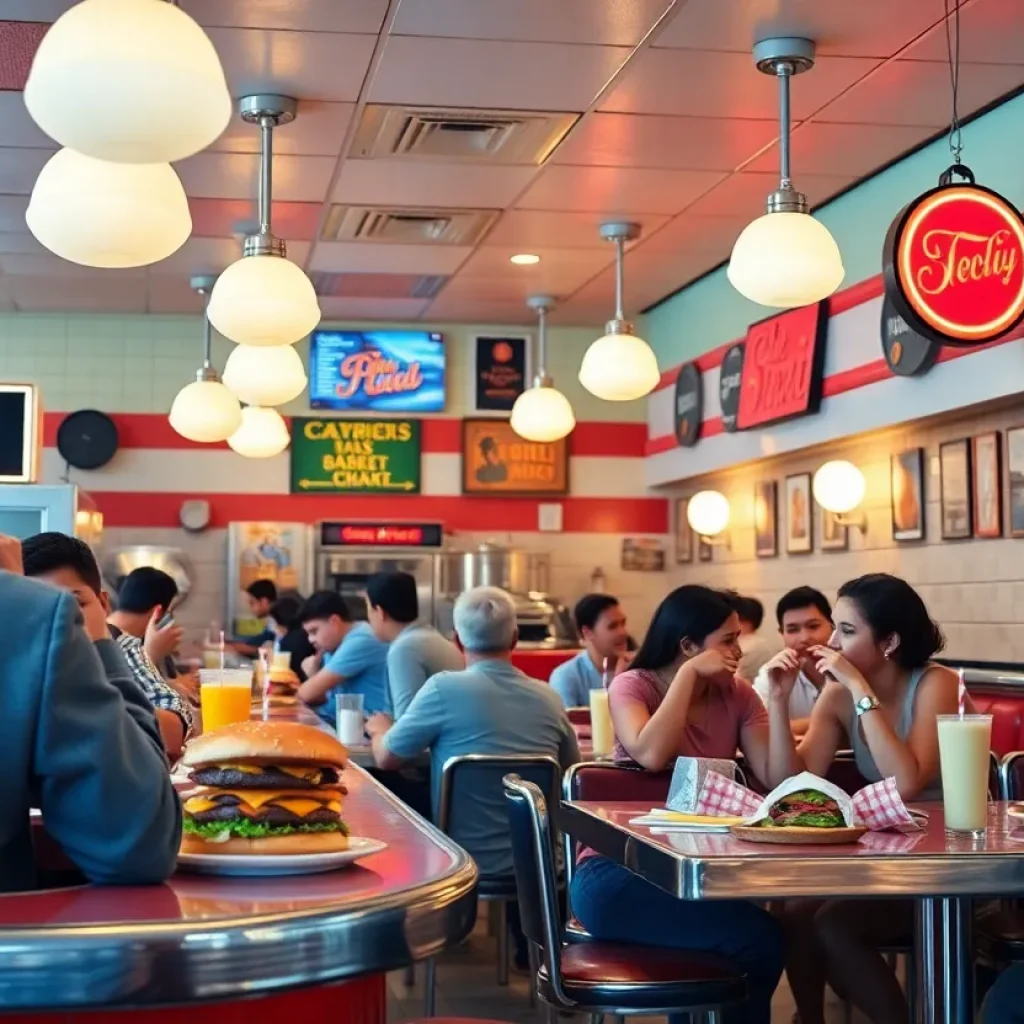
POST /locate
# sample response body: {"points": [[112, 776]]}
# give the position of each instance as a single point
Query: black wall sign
{"points": [[907, 352], [729, 385], [500, 373], [363, 534], [689, 406]]}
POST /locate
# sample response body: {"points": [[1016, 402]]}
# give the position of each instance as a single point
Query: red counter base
{"points": [[540, 664], [362, 1002]]}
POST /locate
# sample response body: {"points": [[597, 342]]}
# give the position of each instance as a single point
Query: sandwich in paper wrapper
{"points": [[809, 801]]}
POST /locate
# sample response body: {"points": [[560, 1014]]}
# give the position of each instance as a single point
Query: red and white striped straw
{"points": [[961, 693]]}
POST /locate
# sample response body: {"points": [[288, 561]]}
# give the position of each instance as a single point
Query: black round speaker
{"points": [[87, 439]]}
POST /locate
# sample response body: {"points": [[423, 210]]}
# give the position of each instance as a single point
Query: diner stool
{"points": [[603, 978]]}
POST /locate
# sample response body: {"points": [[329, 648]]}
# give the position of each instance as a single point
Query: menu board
{"points": [[496, 460], [355, 456]]}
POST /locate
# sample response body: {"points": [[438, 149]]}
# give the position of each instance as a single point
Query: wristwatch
{"points": [[866, 704]]}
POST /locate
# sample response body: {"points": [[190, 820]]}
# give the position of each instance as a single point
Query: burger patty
{"points": [[270, 814], [269, 777]]}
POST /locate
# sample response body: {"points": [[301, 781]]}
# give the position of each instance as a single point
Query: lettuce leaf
{"points": [[214, 831]]}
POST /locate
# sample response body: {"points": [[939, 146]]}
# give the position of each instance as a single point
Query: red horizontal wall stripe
{"points": [[580, 515]]}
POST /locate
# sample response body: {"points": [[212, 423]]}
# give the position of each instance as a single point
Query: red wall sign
{"points": [[782, 367], [954, 264]]}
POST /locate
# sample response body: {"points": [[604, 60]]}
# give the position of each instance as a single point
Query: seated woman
{"points": [[680, 698], [881, 697]]}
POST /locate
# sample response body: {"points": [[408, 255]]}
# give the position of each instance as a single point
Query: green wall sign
{"points": [[355, 456]]}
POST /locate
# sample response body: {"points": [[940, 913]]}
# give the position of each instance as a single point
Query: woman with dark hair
{"points": [[881, 697], [680, 698]]}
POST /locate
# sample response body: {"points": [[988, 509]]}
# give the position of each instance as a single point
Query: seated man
{"points": [[416, 651], [289, 636], [261, 595], [602, 626], [69, 563], [349, 657], [144, 600], [756, 650], [79, 741], [805, 621]]}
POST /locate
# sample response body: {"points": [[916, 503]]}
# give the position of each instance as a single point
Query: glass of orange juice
{"points": [[225, 696]]}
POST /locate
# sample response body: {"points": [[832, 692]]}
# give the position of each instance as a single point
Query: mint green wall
{"points": [[712, 312]]}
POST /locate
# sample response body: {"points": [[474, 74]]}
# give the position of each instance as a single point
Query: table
{"points": [[940, 873]]}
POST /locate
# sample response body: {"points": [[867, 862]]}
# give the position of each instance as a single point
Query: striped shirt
{"points": [[147, 675]]}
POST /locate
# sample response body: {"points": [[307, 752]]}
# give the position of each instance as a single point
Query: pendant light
{"points": [[109, 215], [786, 258], [205, 410], [265, 376], [264, 298], [263, 433], [132, 81], [542, 412], [620, 366]]}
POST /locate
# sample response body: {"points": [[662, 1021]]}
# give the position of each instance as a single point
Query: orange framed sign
{"points": [[496, 460]]}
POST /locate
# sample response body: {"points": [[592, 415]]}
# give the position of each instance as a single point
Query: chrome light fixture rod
{"points": [[203, 285], [269, 111], [619, 232], [542, 305]]}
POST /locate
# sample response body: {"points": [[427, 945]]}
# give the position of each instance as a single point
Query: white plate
{"points": [[238, 865]]}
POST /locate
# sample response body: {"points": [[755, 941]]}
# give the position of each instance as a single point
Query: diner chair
{"points": [[578, 716], [487, 771], [603, 978]]}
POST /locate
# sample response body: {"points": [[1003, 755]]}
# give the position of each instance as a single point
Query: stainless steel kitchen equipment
{"points": [[119, 562]]}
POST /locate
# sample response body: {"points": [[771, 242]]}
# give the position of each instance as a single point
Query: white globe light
{"points": [[619, 368], [785, 260], [265, 376], [102, 214], [205, 411], [708, 513], [838, 486], [133, 81], [263, 433], [542, 414], [264, 300]]}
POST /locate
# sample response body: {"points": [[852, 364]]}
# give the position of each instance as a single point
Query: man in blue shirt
{"points": [[349, 658], [602, 626]]}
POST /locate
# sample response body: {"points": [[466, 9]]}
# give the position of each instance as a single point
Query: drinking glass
{"points": [[225, 696], [964, 743], [349, 710]]}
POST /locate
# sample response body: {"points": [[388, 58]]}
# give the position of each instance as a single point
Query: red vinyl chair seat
{"points": [[1007, 720]]}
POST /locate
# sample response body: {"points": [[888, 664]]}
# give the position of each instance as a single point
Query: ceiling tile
{"points": [[394, 183], [212, 255], [34, 10], [319, 130], [747, 193], [46, 263], [21, 242], [355, 16], [12, 213], [19, 41], [610, 22], [867, 28], [78, 295], [234, 176], [19, 128], [475, 73], [371, 258], [616, 190], [991, 32], [557, 268], [218, 218], [691, 233], [170, 293], [458, 310], [524, 230], [647, 140], [394, 310], [324, 66], [706, 83], [911, 92], [19, 169]]}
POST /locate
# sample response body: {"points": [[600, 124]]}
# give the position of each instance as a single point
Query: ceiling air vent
{"points": [[377, 286], [492, 136], [411, 227]]}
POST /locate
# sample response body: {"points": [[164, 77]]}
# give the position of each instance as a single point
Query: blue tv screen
{"points": [[380, 371]]}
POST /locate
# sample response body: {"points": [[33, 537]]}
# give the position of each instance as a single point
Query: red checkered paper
{"points": [[880, 806], [721, 797]]}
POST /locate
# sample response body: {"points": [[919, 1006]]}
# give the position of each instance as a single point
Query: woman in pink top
{"points": [[680, 698]]}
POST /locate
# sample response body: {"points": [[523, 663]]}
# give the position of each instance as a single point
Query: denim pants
{"points": [[615, 905]]}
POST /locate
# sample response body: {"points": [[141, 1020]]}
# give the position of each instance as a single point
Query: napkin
{"points": [[688, 776]]}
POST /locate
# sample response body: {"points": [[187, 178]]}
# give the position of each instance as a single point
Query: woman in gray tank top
{"points": [[881, 697]]}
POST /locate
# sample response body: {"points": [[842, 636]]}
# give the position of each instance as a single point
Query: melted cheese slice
{"points": [[299, 802]]}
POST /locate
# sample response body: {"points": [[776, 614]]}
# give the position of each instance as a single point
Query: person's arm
{"points": [[173, 715], [417, 729], [562, 681], [406, 676], [320, 683], [753, 737], [568, 746], [356, 653], [101, 775]]}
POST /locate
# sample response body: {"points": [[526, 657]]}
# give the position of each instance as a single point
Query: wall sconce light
{"points": [[708, 514], [839, 488]]}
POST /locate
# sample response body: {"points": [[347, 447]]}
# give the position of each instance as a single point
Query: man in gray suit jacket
{"points": [[78, 740]]}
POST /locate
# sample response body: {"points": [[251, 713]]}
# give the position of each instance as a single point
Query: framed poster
{"points": [[496, 460], [1015, 479], [500, 371], [705, 551], [987, 487], [799, 528], [642, 554], [766, 519], [955, 489], [684, 533], [834, 536], [906, 472]]}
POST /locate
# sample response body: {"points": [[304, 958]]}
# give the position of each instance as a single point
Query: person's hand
{"points": [[10, 555], [782, 671], [831, 664], [187, 685], [714, 663], [311, 665], [378, 724], [94, 618], [160, 643]]}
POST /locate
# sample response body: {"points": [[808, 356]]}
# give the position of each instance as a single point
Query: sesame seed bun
{"points": [[272, 846], [258, 742]]}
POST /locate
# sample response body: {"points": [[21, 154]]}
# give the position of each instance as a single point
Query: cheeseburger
{"points": [[264, 788], [282, 687]]}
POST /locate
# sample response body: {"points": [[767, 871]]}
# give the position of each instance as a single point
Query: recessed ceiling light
{"points": [[524, 259]]}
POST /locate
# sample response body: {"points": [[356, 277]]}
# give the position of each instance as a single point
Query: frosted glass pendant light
{"points": [[542, 412], [263, 433], [265, 376]]}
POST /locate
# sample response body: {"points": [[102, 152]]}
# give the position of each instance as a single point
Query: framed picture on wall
{"points": [[906, 470], [705, 551], [799, 528], [955, 489], [684, 533], [834, 536], [987, 485], [766, 519], [1015, 479]]}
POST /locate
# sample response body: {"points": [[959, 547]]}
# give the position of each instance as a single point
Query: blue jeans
{"points": [[615, 905]]}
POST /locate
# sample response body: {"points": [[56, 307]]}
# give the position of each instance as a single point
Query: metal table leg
{"points": [[944, 961]]}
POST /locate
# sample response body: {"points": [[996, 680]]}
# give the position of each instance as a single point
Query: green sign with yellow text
{"points": [[355, 456]]}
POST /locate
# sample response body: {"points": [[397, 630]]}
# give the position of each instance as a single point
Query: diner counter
{"points": [[199, 939]]}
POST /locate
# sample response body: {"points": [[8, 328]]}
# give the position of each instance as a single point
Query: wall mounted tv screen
{"points": [[379, 371]]}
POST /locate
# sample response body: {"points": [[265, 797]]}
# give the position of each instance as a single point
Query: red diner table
{"points": [[539, 664], [216, 950]]}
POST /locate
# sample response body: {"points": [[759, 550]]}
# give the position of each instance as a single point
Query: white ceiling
{"points": [[677, 131]]}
